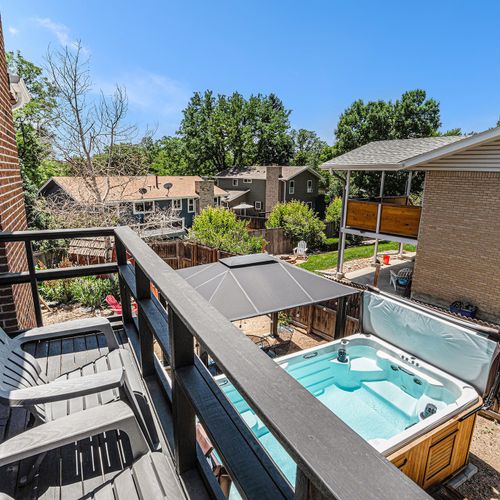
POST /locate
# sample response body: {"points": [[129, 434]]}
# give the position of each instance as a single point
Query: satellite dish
{"points": [[168, 186], [143, 190]]}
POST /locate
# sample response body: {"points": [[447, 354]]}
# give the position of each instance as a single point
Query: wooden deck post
{"points": [[143, 287], [184, 418], [121, 258], [305, 489]]}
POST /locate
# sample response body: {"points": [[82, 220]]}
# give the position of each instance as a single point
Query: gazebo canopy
{"points": [[253, 285]]}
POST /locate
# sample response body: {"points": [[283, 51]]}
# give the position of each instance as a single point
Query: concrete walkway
{"points": [[366, 275]]}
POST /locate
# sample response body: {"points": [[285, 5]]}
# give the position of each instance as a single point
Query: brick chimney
{"points": [[205, 190], [273, 175], [16, 305]]}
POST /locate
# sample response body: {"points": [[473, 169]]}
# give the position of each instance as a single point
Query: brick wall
{"points": [[273, 175], [205, 190], [458, 255], [16, 309]]}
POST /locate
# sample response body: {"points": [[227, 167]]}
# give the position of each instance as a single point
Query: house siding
{"points": [[301, 193], [458, 255], [257, 192]]}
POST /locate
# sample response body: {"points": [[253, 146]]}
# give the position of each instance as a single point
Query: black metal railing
{"points": [[332, 460]]}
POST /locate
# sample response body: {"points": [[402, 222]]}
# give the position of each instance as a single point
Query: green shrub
{"points": [[334, 213], [298, 222], [89, 291], [330, 244], [220, 228]]}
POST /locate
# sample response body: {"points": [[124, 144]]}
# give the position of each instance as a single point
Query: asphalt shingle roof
{"points": [[390, 152], [259, 172]]}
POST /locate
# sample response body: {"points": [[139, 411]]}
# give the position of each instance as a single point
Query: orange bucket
{"points": [[386, 259]]}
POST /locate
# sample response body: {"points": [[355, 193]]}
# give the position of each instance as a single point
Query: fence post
{"points": [[340, 317], [121, 259], [33, 283], [184, 418], [143, 287]]}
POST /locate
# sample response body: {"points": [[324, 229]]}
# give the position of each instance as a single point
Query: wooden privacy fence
{"points": [[179, 254], [320, 318], [277, 242]]}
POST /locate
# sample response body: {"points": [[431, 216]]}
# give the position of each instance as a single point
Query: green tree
{"points": [[218, 132], [220, 228], [411, 116], [298, 222], [32, 136], [171, 157], [308, 148], [334, 212]]}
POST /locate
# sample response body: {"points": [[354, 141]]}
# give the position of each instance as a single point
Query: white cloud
{"points": [[61, 32], [151, 93], [13, 31]]}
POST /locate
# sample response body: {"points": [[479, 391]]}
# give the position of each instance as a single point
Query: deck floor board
{"points": [[74, 470]]}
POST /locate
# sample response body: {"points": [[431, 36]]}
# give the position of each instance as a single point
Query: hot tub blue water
{"points": [[374, 393]]}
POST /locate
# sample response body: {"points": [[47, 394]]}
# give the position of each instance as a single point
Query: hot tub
{"points": [[384, 394]]}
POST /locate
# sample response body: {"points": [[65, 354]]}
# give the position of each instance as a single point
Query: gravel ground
{"points": [[485, 455]]}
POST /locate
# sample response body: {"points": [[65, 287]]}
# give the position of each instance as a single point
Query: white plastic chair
{"points": [[405, 274], [301, 249]]}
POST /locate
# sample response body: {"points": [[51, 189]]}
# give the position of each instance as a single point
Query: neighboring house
{"points": [[264, 186], [458, 226], [138, 196]]}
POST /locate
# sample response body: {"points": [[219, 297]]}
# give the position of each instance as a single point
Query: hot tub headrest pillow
{"points": [[460, 351]]}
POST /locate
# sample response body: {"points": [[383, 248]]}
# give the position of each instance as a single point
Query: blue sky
{"points": [[318, 56]]}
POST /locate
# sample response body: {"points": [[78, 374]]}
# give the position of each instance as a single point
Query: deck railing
{"points": [[390, 217], [332, 460]]}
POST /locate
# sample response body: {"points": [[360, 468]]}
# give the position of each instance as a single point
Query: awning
{"points": [[253, 285]]}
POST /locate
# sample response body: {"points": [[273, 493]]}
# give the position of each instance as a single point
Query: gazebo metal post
{"points": [[408, 191], [274, 324], [342, 236], [379, 215]]}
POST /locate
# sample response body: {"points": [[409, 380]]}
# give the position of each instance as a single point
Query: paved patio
{"points": [[366, 275]]}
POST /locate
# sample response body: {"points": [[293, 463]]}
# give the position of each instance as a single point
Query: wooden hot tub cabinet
{"points": [[441, 452]]}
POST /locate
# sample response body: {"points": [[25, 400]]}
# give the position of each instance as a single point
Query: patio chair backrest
{"points": [[302, 245], [18, 370]]}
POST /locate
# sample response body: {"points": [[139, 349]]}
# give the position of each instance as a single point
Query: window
{"points": [[309, 204], [247, 181], [144, 207], [291, 187], [309, 186], [258, 205], [235, 182], [217, 201], [190, 205], [177, 204]]}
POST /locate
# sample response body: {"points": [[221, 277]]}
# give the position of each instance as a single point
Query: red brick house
{"points": [[15, 301], [457, 229]]}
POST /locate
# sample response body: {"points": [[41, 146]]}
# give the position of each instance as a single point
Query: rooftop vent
{"points": [[248, 260]]}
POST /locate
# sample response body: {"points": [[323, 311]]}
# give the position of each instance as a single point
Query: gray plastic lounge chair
{"points": [[151, 474], [109, 378]]}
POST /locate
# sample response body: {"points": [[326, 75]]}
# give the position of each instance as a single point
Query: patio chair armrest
{"points": [[71, 329], [83, 424], [61, 390]]}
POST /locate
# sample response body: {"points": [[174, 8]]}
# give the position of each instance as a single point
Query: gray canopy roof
{"points": [[253, 285]]}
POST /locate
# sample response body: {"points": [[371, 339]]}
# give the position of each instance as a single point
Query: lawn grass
{"points": [[328, 260]]}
